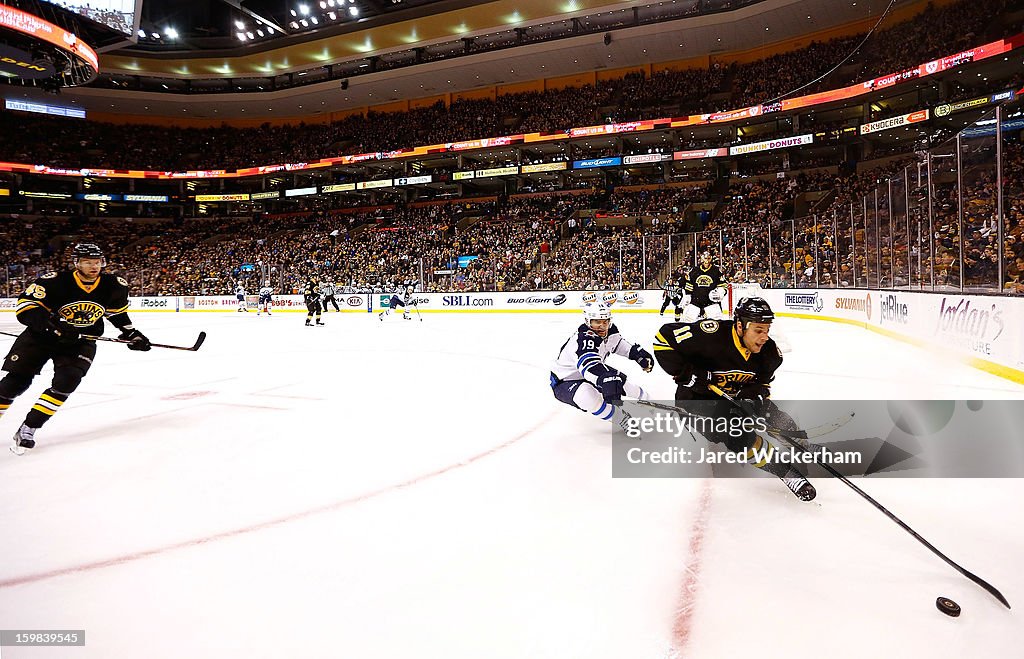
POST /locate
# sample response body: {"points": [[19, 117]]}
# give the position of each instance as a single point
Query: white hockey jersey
{"points": [[266, 292], [239, 290], [585, 352]]}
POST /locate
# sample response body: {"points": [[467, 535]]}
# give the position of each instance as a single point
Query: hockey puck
{"points": [[948, 606]]}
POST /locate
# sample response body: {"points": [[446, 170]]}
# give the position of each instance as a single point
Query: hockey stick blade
{"points": [[992, 590]]}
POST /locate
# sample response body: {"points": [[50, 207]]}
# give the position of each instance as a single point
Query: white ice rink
{"points": [[412, 489]]}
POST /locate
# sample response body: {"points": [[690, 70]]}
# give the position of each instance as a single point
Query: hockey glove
{"points": [[716, 295], [136, 339], [58, 331], [611, 385], [754, 397], [692, 377], [642, 357], [67, 334]]}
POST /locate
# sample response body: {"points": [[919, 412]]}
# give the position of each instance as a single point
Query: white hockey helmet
{"points": [[596, 311]]}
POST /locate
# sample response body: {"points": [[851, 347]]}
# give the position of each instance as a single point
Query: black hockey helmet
{"points": [[753, 310], [87, 251]]}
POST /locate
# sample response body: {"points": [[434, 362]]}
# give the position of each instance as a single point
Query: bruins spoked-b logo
{"points": [[81, 314]]}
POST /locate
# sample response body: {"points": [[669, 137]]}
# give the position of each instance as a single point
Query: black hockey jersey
{"points": [[714, 346], [701, 282], [311, 292], [63, 295]]}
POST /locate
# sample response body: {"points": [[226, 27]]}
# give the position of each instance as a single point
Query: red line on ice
{"points": [[330, 507], [682, 626]]}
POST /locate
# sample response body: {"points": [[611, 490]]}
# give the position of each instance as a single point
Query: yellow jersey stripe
{"points": [[39, 408], [51, 399], [121, 310]]}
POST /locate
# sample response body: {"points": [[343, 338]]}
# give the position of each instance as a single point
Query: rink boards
{"points": [[983, 330]]}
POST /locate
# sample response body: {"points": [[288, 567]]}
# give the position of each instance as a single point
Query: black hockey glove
{"points": [[58, 331], [754, 397], [693, 377], [136, 339], [642, 357], [67, 334], [611, 385]]}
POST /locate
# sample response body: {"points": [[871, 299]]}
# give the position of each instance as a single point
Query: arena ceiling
{"points": [[420, 24]]}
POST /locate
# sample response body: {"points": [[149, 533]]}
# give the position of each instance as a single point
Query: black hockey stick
{"points": [[789, 439], [417, 306], [192, 348], [809, 433]]}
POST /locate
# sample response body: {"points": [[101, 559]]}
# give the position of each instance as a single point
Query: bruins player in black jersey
{"points": [[60, 311], [311, 296], [739, 358], [706, 287]]}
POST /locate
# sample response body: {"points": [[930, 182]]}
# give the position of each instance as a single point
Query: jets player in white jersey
{"points": [[266, 299], [240, 295], [404, 298], [579, 376]]}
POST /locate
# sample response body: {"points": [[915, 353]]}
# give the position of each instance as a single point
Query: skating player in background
{"points": [[328, 290], [240, 296], [60, 311], [739, 358], [311, 296], [579, 376], [674, 293], [266, 299], [404, 299], [706, 288]]}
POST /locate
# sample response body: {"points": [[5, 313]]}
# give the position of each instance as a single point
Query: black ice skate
{"points": [[23, 440], [799, 486]]}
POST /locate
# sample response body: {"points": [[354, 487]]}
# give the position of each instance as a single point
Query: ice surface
{"points": [[412, 489]]}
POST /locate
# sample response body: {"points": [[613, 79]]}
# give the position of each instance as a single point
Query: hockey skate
{"points": [[320, 322], [23, 440], [308, 324], [799, 485]]}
